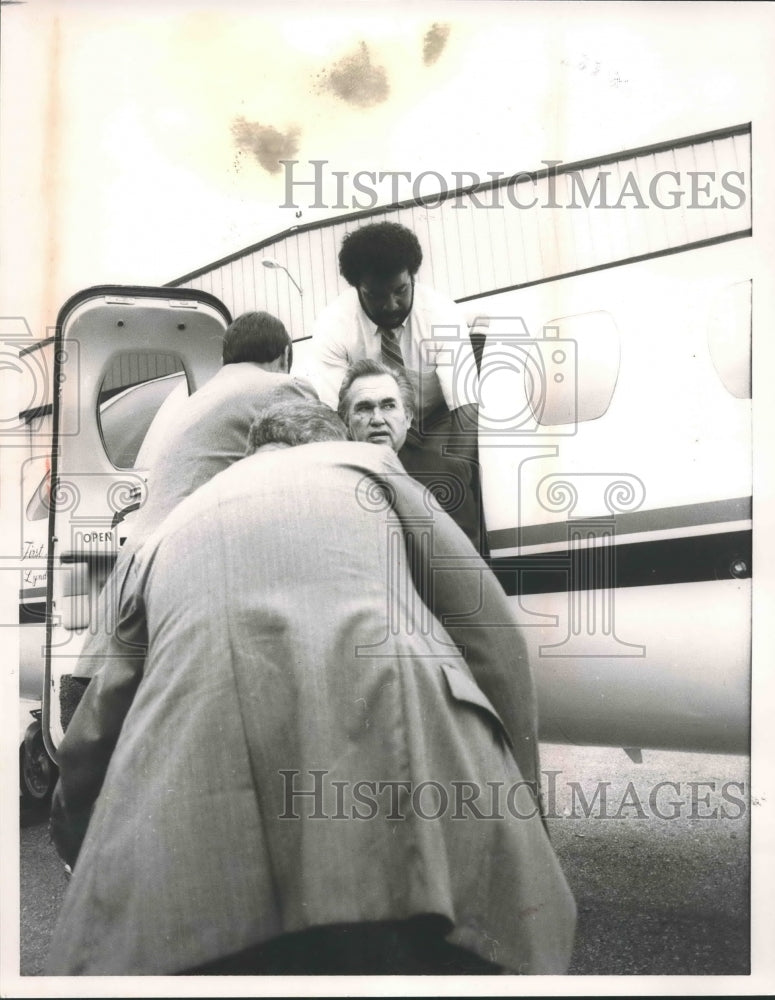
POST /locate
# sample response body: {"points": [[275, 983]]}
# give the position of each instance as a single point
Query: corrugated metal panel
{"points": [[522, 231], [130, 368]]}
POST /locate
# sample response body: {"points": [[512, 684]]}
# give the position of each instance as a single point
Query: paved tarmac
{"points": [[660, 872]]}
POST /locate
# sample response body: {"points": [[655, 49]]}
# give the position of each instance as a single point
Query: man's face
{"points": [[387, 301], [376, 411]]}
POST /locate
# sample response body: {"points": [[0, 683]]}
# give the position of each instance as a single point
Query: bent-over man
{"points": [[328, 762]]}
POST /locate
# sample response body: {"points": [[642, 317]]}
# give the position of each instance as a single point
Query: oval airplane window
{"points": [[729, 338], [578, 364], [133, 391]]}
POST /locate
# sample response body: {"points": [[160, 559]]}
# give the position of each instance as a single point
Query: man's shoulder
{"points": [[428, 295], [359, 457], [345, 305], [434, 305], [245, 476], [230, 496], [245, 373], [249, 381]]}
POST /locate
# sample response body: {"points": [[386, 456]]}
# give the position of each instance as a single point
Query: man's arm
{"points": [[445, 322], [462, 593], [329, 356], [84, 753], [456, 369]]}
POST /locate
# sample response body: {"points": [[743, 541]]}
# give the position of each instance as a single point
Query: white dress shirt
{"points": [[434, 341]]}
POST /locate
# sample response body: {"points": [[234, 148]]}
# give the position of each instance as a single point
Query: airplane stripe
{"points": [[629, 522], [688, 559], [600, 534], [32, 613], [28, 594]]}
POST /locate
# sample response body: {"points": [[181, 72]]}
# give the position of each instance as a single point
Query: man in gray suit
{"points": [[328, 762], [210, 429], [208, 433], [378, 404]]}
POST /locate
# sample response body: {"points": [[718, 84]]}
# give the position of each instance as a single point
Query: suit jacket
{"points": [[328, 659], [209, 433], [453, 482]]}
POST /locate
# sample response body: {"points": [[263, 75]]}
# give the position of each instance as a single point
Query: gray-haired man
{"points": [[378, 406]]}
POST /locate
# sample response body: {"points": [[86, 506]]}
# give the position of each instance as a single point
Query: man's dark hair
{"points": [[256, 336], [380, 250], [294, 422], [364, 367]]}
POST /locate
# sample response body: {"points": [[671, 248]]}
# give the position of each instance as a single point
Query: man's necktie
{"points": [[391, 350]]}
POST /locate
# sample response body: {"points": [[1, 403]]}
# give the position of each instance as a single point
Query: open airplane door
{"points": [[121, 353]]}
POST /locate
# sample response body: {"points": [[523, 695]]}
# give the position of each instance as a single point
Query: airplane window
{"points": [[576, 368], [135, 388], [729, 337]]}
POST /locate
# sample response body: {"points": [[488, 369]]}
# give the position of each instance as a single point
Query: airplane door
{"points": [[121, 354]]}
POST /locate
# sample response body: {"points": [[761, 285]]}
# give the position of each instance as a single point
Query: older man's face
{"points": [[376, 411]]}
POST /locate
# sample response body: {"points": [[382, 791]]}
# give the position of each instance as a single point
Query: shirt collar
{"points": [[374, 327]]}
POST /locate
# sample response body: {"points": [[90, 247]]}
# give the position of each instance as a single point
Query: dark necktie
{"points": [[391, 350]]}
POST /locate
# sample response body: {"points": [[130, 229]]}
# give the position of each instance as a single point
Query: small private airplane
{"points": [[614, 380]]}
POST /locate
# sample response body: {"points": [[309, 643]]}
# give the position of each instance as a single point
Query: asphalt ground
{"points": [[660, 872]]}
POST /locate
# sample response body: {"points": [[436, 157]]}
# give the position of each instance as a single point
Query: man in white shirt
{"points": [[388, 316]]}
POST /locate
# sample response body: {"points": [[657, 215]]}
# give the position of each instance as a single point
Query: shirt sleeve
{"points": [[330, 356], [455, 362]]}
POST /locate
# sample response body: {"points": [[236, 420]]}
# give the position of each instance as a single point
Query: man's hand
{"points": [[65, 831]]}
